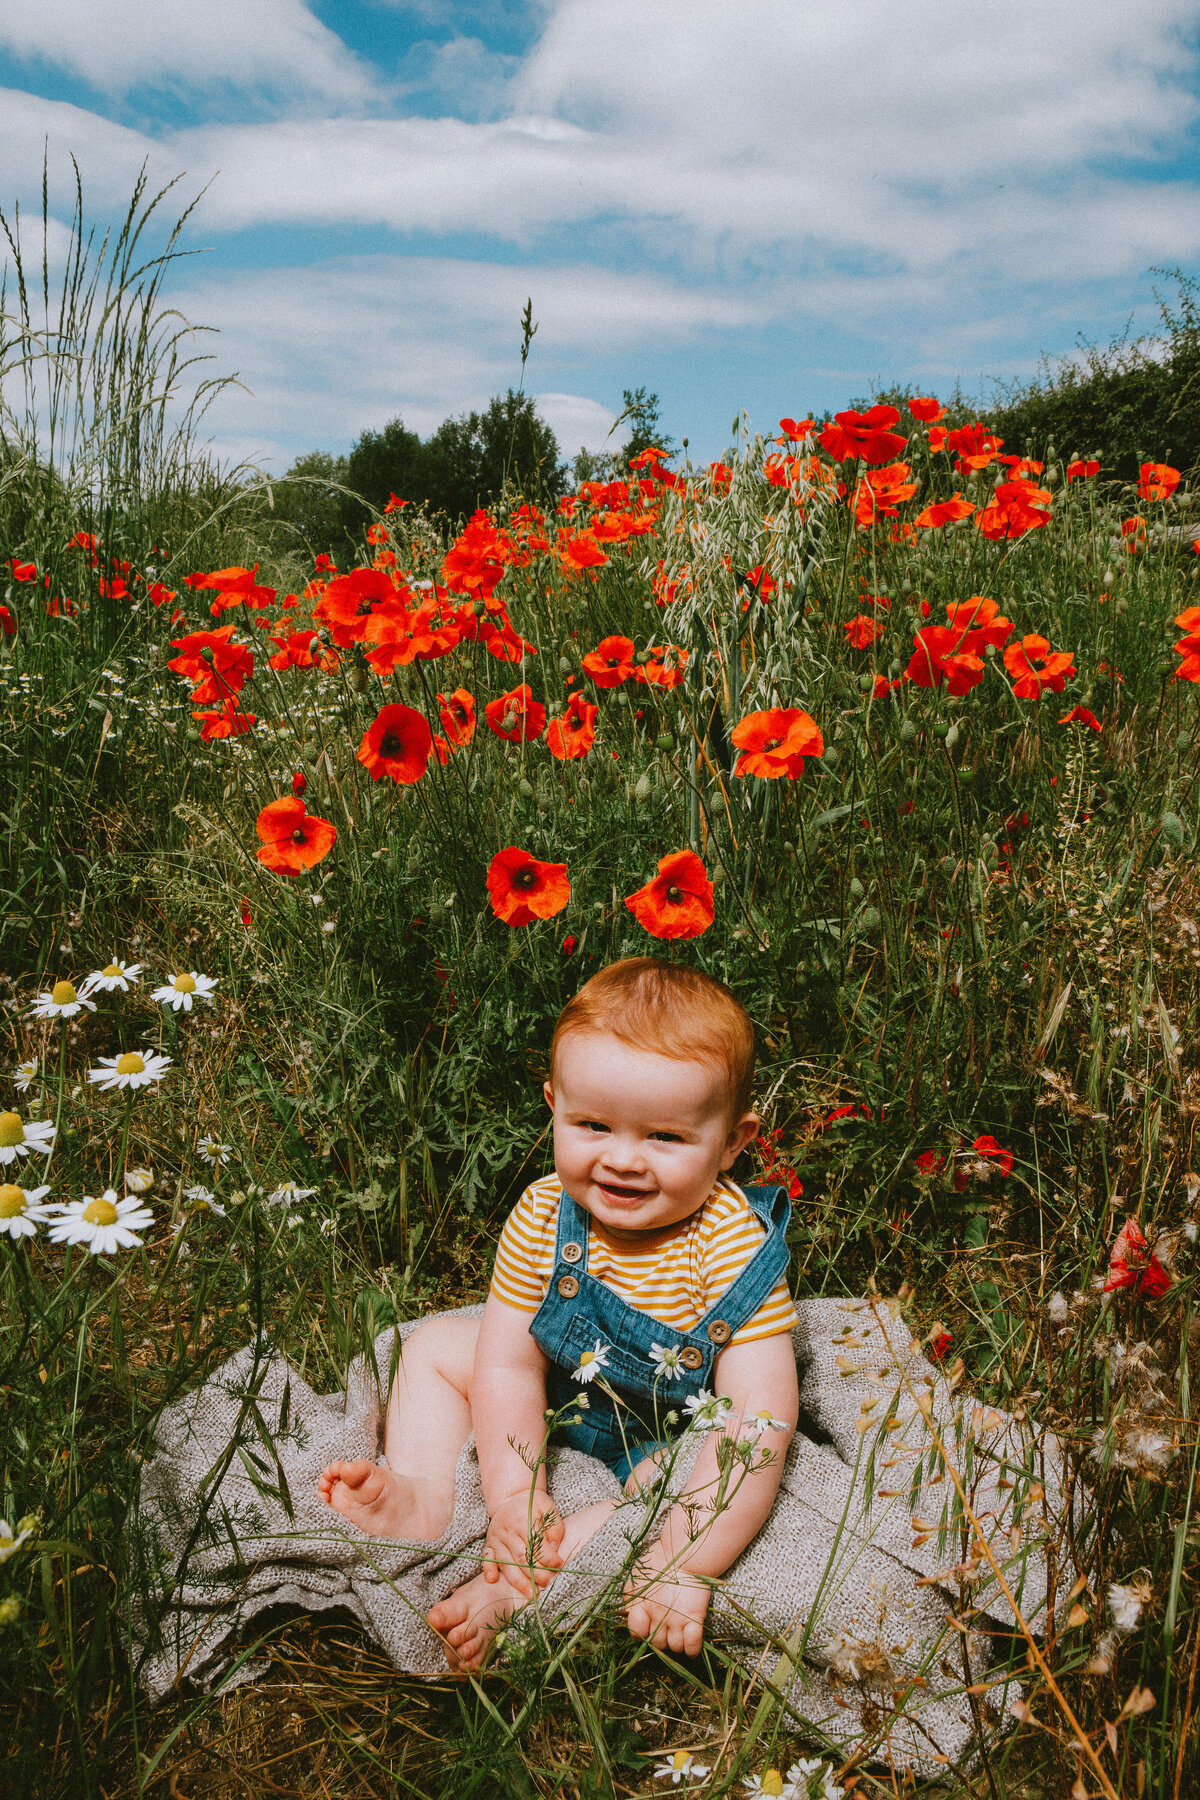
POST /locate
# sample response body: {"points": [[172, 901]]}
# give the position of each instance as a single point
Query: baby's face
{"points": [[639, 1139]]}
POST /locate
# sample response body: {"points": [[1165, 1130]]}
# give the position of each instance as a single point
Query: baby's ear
{"points": [[740, 1134], [549, 1093]]}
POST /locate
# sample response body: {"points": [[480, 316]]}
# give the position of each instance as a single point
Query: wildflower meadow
{"points": [[889, 724]]}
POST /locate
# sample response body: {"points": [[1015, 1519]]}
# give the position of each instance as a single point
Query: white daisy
{"points": [[762, 1421], [10, 1540], [129, 1070], [20, 1139], [139, 1181], [104, 1224], [25, 1074], [212, 1151], [62, 1002], [769, 1782], [113, 978], [20, 1213], [288, 1193], [705, 1411], [181, 990], [203, 1200], [681, 1766], [800, 1776], [592, 1361], [667, 1361]]}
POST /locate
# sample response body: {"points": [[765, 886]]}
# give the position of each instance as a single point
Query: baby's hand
{"points": [[509, 1549], [666, 1605]]}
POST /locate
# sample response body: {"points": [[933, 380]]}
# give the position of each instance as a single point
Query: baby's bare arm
{"points": [[508, 1404], [719, 1512]]}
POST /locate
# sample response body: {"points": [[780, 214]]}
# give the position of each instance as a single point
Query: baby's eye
{"points": [[592, 1125], [666, 1137]]}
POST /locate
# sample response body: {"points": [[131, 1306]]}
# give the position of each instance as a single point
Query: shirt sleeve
{"points": [[520, 1277]]}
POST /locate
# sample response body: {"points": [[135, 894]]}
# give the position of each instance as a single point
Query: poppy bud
{"points": [[207, 654], [299, 782]]}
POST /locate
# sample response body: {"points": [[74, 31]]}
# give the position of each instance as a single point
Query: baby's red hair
{"points": [[668, 1009]]}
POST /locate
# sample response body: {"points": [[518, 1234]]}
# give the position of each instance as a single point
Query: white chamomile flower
{"points": [[705, 1411], [288, 1193], [10, 1540], [62, 1002], [20, 1212], [25, 1074], [20, 1139], [129, 1070], [181, 990], [769, 1782], [139, 1181], [762, 1421], [592, 1361], [113, 978], [213, 1151], [203, 1200], [103, 1224], [681, 1765], [801, 1774], [667, 1361]]}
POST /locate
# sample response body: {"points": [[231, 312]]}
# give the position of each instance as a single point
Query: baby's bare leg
{"points": [[428, 1422]]}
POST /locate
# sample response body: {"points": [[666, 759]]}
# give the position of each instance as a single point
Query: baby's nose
{"points": [[625, 1154]]}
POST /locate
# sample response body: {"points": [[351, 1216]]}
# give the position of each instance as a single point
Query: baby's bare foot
{"points": [[468, 1619], [378, 1500]]}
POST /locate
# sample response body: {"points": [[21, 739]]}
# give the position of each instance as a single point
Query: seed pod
{"points": [[952, 737], [869, 918], [908, 731], [856, 889], [830, 758], [643, 789], [665, 741], [1171, 826]]}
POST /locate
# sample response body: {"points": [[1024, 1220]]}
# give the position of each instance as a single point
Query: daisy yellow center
{"points": [[589, 1356], [772, 1782], [111, 970], [12, 1201], [100, 1212], [11, 1130], [63, 993], [681, 1760], [130, 1064], [185, 984]]}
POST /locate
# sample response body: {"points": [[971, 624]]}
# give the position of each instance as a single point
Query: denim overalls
{"points": [[578, 1311]]}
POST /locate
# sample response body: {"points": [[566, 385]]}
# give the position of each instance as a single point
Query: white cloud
{"points": [[118, 44], [578, 423]]}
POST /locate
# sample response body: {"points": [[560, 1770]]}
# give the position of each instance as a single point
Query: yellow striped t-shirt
{"points": [[675, 1283]]}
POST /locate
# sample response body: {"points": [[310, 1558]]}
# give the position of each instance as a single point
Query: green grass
{"points": [[964, 919]]}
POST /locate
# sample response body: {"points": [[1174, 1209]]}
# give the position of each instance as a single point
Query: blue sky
{"points": [[764, 206]]}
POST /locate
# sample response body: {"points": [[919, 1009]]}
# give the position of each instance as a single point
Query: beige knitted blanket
{"points": [[869, 1598]]}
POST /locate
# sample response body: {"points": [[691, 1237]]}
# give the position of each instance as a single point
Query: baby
{"points": [[639, 1275]]}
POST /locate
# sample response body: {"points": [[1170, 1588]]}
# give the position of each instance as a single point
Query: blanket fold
{"points": [[869, 1570]]}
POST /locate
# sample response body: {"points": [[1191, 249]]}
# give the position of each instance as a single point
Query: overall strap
{"points": [[746, 1293], [571, 1238]]}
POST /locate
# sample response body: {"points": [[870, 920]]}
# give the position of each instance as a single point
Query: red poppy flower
{"points": [[795, 430], [574, 733], [1157, 481], [158, 593], [883, 687], [346, 603], [1016, 507], [516, 716], [218, 667], [981, 622], [1036, 669], [678, 903], [1132, 1263], [664, 667], [944, 512], [23, 571], [1079, 715], [939, 1344], [776, 742], [299, 782], [973, 445], [303, 650], [578, 550], [926, 408], [611, 662], [1134, 532], [292, 840], [236, 586], [229, 722], [398, 744], [940, 655], [862, 630], [880, 492], [867, 436], [523, 889], [1081, 470], [457, 713], [245, 904], [929, 1161], [937, 437], [990, 1151], [8, 624]]}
